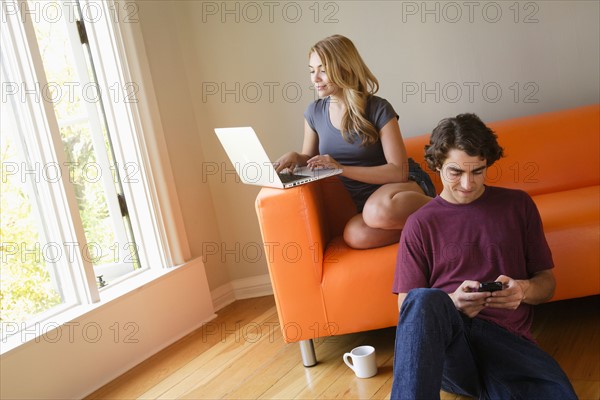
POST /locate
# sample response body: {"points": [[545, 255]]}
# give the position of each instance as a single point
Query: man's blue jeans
{"points": [[439, 347]]}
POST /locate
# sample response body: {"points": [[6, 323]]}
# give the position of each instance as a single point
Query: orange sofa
{"points": [[322, 287]]}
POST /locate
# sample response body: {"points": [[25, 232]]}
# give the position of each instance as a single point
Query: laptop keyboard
{"points": [[286, 178]]}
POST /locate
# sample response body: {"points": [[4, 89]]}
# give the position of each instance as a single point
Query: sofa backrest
{"points": [[544, 153]]}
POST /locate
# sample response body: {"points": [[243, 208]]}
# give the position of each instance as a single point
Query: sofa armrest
{"points": [[295, 235]]}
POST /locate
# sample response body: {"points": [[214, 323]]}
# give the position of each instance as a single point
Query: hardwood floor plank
{"points": [[241, 355], [330, 369], [235, 369], [571, 334], [143, 377], [587, 390], [348, 386], [208, 365], [264, 378], [298, 378], [385, 390]]}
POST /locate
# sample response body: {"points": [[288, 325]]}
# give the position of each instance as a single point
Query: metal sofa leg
{"points": [[307, 350]]}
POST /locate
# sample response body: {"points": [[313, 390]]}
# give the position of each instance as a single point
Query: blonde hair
{"points": [[346, 69]]}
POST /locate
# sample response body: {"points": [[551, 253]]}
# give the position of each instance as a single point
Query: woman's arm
{"points": [[310, 148], [396, 169]]}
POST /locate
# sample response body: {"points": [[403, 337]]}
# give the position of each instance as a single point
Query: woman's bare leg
{"points": [[391, 204], [384, 215], [359, 235]]}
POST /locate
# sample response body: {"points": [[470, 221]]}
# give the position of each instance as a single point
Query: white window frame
{"points": [[97, 137], [161, 203], [152, 200]]}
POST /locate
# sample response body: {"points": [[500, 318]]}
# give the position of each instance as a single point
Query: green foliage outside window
{"points": [[26, 287]]}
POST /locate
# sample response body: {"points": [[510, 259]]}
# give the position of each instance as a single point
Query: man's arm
{"points": [[536, 290]]}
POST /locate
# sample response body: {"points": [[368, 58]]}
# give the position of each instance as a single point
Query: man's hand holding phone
{"points": [[468, 300], [509, 296], [490, 286]]}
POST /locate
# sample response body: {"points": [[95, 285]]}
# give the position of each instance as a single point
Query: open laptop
{"points": [[254, 166]]}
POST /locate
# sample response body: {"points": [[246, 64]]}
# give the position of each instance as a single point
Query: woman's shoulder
{"points": [[379, 111], [377, 102], [317, 106]]}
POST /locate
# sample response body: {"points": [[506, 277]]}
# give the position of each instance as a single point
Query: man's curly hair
{"points": [[464, 132]]}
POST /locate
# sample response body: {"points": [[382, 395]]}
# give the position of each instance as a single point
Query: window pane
{"points": [[29, 284], [75, 95], [85, 174]]}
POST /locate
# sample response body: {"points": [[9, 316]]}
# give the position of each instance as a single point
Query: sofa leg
{"points": [[307, 350]]}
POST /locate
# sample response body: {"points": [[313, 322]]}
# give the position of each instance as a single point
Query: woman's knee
{"points": [[360, 236], [391, 212], [356, 236], [379, 214]]}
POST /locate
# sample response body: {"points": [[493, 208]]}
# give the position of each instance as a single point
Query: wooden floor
{"points": [[241, 355]]}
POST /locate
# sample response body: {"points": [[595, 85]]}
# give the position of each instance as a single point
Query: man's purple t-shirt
{"points": [[500, 233], [379, 112]]}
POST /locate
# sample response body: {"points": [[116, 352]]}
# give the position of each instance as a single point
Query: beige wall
{"points": [[497, 59]]}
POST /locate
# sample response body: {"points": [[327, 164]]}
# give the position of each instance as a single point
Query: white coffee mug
{"points": [[362, 362]]}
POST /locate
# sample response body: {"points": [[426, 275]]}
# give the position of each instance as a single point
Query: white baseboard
{"points": [[245, 288], [222, 296]]}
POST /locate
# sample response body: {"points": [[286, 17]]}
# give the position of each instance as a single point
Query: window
{"points": [[80, 215]]}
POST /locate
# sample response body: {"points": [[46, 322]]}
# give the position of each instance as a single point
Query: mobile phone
{"points": [[490, 286]]}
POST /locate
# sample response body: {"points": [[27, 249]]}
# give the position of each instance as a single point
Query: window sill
{"points": [[67, 320]]}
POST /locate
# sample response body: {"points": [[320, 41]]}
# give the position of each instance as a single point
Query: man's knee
{"points": [[426, 306], [427, 301]]}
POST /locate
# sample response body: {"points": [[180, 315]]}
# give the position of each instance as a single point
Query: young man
{"points": [[451, 334]]}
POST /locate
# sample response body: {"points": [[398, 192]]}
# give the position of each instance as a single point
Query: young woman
{"points": [[350, 128]]}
